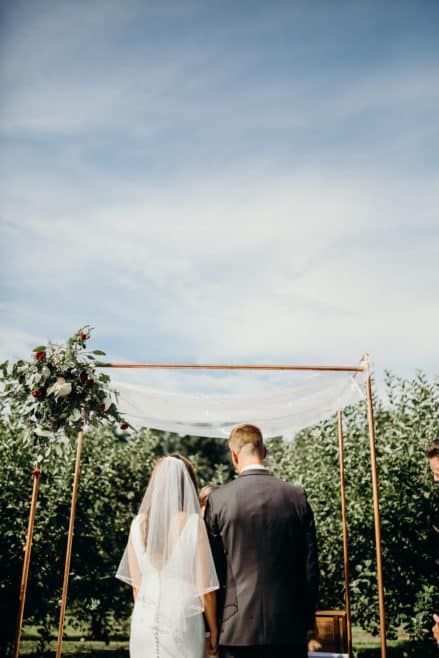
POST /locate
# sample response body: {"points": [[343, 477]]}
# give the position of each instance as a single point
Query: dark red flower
{"points": [[83, 377], [40, 355], [83, 336], [102, 407], [37, 394], [124, 426]]}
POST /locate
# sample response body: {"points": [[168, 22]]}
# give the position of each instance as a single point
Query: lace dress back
{"points": [[163, 624]]}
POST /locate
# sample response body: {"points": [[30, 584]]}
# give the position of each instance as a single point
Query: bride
{"points": [[168, 563]]}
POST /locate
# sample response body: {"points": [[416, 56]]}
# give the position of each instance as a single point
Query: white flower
{"points": [[107, 403], [45, 371], [75, 415], [64, 389], [61, 388]]}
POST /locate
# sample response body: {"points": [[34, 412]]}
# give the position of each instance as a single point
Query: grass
{"points": [[369, 646], [75, 646]]}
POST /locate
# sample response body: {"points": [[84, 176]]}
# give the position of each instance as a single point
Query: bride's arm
{"points": [[135, 549], [133, 564], [207, 582], [210, 614]]}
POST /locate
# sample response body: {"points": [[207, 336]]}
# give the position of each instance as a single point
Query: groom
{"points": [[263, 541]]}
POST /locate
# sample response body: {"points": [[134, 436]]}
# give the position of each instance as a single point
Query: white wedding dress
{"points": [[169, 562], [160, 627]]}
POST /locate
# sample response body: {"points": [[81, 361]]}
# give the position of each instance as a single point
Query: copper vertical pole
{"points": [[376, 510], [345, 530], [69, 544], [27, 551]]}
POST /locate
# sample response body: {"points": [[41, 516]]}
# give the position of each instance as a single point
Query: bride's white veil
{"points": [[168, 536]]}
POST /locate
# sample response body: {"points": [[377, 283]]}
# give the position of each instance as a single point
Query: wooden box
{"points": [[332, 631]]}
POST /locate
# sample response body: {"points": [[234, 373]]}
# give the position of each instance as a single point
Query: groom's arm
{"points": [[215, 541], [311, 564]]}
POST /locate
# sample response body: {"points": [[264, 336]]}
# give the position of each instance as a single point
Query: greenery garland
{"points": [[59, 391]]}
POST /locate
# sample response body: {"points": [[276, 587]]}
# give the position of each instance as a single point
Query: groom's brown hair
{"points": [[248, 436], [432, 450]]}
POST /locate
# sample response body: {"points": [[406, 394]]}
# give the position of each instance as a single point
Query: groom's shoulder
{"points": [[291, 493], [289, 487], [223, 492], [271, 482]]}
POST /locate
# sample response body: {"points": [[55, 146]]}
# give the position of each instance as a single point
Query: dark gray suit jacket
{"points": [[263, 541]]}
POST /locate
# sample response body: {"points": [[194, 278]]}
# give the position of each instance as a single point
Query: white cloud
{"points": [[230, 257], [283, 265], [17, 344], [82, 72]]}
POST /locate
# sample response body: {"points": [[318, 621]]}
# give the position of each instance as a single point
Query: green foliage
{"points": [[405, 422], [114, 478], [114, 474], [210, 457], [15, 492], [57, 391], [115, 469]]}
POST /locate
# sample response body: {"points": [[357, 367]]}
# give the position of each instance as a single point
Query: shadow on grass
{"points": [[401, 650], [111, 653], [77, 649], [90, 650]]}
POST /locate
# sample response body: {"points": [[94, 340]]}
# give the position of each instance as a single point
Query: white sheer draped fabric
{"points": [[280, 411], [168, 560]]}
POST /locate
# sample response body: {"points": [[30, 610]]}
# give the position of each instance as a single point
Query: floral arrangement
{"points": [[59, 391]]}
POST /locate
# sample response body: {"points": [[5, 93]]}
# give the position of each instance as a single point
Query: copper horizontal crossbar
{"points": [[205, 366]]}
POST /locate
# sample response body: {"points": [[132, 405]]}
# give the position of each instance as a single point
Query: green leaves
{"points": [[60, 388], [115, 470], [405, 423]]}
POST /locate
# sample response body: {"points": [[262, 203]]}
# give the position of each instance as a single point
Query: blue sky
{"points": [[222, 181]]}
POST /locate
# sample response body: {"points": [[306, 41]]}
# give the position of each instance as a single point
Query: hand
{"points": [[313, 643], [212, 644], [435, 628]]}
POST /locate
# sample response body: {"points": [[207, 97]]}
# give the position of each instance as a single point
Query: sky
{"points": [[230, 182]]}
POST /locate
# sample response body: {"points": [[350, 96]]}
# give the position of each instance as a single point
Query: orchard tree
{"points": [[406, 420]]}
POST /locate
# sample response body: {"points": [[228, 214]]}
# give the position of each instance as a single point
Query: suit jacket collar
{"points": [[255, 471]]}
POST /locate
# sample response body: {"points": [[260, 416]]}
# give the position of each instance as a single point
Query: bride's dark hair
{"points": [[190, 468]]}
